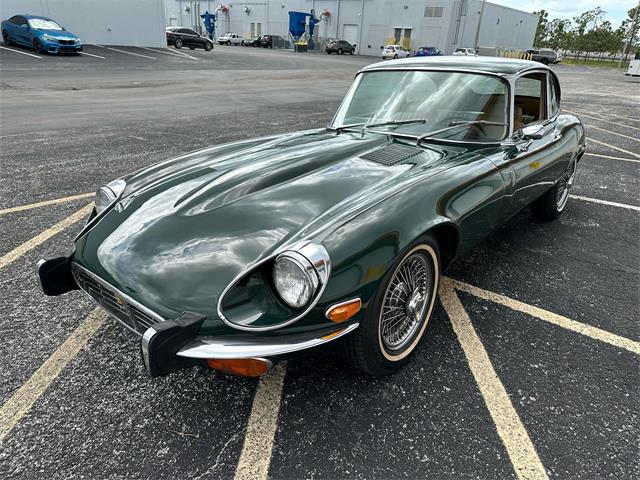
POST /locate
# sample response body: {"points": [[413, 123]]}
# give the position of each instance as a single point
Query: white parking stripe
{"points": [[602, 120], [512, 432], [130, 53], [18, 51], [592, 140], [613, 133], [91, 55], [261, 428], [606, 202], [23, 399], [612, 158], [166, 51]]}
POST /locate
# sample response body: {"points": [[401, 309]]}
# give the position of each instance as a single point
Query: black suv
{"points": [[185, 37], [340, 47], [274, 41]]}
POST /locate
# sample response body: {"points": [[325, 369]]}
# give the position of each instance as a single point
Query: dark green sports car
{"points": [[241, 254]]}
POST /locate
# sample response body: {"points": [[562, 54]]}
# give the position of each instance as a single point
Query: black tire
{"points": [[352, 51], [340, 52], [365, 347], [229, 43], [328, 52], [208, 46], [179, 43], [395, 56], [551, 205], [37, 46], [6, 39], [220, 43], [545, 61]]}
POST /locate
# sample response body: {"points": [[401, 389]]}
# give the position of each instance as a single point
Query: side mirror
{"points": [[25, 26], [532, 132]]}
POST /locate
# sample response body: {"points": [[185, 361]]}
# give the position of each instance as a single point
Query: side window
{"points": [[530, 99], [554, 96], [190, 32], [18, 20]]}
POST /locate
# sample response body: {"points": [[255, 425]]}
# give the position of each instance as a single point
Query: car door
{"points": [[21, 30], [539, 158], [189, 37]]}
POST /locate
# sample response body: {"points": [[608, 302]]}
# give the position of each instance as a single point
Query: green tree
{"points": [[541, 30]]}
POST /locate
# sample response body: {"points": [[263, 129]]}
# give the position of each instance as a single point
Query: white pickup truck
{"points": [[231, 38]]}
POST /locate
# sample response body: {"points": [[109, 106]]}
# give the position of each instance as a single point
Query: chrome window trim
{"points": [[124, 296], [313, 252]]}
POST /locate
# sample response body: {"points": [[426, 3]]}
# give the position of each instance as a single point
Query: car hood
{"points": [[184, 229], [57, 33]]}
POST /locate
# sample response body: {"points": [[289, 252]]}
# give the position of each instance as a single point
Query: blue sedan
{"points": [[40, 33], [428, 52]]}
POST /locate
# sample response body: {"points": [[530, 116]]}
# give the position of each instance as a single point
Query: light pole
{"points": [[475, 44]]}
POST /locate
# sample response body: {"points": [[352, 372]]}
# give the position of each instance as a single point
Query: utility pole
{"points": [[475, 44], [632, 29]]}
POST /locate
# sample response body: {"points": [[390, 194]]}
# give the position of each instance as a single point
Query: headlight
{"points": [[77, 40], [49, 38], [108, 194], [295, 279]]}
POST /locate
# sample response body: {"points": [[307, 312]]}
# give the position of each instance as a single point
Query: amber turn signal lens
{"points": [[246, 367], [344, 311]]}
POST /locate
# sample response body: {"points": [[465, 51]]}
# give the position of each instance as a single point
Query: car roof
{"points": [[34, 17], [495, 65]]}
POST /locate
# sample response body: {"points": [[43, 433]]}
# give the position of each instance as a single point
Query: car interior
{"points": [[529, 100]]}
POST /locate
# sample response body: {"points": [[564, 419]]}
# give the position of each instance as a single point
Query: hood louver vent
{"points": [[392, 154]]}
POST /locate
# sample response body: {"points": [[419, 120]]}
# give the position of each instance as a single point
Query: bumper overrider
{"points": [[168, 345]]}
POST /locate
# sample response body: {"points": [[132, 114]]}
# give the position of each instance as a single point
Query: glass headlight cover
{"points": [[295, 279], [108, 194]]}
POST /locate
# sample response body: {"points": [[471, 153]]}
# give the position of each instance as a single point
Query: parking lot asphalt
{"points": [[549, 311]]}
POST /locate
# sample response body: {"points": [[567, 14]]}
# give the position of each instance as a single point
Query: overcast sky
{"points": [[616, 9]]}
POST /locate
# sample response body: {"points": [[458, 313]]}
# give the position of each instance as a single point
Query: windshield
{"points": [[441, 99], [42, 24]]}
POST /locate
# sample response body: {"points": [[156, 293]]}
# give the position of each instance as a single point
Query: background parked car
{"points": [[231, 39], [395, 51], [40, 33], [252, 42], [543, 55], [428, 52], [185, 37], [340, 47], [465, 52], [274, 41]]}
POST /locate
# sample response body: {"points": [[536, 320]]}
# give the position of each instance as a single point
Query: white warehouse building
{"points": [[370, 24]]}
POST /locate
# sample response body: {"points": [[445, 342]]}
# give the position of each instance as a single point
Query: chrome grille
{"points": [[393, 154], [132, 316]]}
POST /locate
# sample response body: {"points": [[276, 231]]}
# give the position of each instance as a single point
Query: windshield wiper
{"points": [[366, 125], [394, 122], [454, 125]]}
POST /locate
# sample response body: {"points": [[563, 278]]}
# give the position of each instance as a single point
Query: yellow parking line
{"points": [[613, 133], [21, 401], [44, 236], [541, 314], [602, 120], [609, 157], [261, 429], [44, 203], [606, 202], [591, 140], [512, 432]]}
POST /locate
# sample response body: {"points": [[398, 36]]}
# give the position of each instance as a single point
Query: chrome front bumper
{"points": [[170, 344]]}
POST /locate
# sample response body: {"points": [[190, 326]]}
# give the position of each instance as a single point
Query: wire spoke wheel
{"points": [[406, 300], [564, 186]]}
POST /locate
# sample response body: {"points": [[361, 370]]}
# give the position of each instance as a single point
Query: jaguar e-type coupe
{"points": [[242, 254]]}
